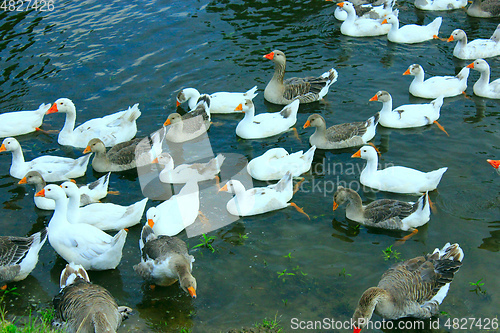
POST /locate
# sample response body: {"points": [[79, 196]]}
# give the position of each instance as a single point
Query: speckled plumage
{"points": [[118, 158]]}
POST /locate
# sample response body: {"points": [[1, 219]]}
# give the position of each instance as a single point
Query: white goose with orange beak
{"points": [[220, 102]]}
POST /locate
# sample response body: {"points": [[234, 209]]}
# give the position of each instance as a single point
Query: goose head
{"points": [[366, 305], [188, 284], [248, 107], [276, 56], [70, 189], [414, 69], [165, 160], [233, 186], [62, 105], [341, 196], [33, 178], [315, 120], [391, 19], [52, 191], [457, 34], [10, 144], [96, 146], [479, 65], [275, 153], [381, 96], [367, 153], [173, 119], [347, 6], [186, 94], [152, 216]]}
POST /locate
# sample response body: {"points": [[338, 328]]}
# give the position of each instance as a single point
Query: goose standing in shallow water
{"points": [[120, 157], [52, 168], [165, 260], [384, 213], [396, 179], [307, 90], [478, 48], [89, 193], [342, 135], [433, 87], [84, 307], [81, 243], [22, 122], [220, 102], [413, 288], [483, 87], [112, 129], [265, 125], [19, 256]]}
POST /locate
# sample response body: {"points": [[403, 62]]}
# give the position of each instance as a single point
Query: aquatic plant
{"points": [[206, 241], [477, 287], [389, 254]]}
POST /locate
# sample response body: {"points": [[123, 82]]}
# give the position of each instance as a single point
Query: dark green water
{"points": [[106, 57]]}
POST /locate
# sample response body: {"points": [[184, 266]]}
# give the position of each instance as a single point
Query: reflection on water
{"points": [[104, 55]]}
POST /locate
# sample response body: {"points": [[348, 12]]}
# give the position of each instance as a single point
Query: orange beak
{"points": [[41, 193], [192, 292], [374, 98], [269, 56], [53, 109], [239, 107], [2, 148], [151, 223], [356, 330], [177, 103], [87, 150], [167, 122], [223, 188], [357, 154], [307, 124], [384, 21], [471, 65], [73, 181], [340, 4], [494, 163], [335, 206], [407, 72], [451, 39], [22, 181], [155, 160]]}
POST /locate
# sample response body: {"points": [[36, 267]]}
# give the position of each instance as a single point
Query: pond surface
{"points": [[107, 56]]}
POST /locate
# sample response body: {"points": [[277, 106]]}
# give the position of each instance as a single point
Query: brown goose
{"points": [[119, 158], [19, 255], [413, 288], [307, 90], [384, 213], [164, 260], [484, 8], [342, 135], [182, 131], [84, 307]]}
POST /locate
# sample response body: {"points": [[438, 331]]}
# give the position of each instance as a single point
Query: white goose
{"points": [[112, 129], [52, 168], [260, 200], [483, 87], [81, 243], [265, 125], [360, 27], [220, 102], [478, 48], [19, 256], [433, 87], [105, 216], [411, 33], [408, 115], [396, 179], [175, 214], [183, 173], [22, 122], [89, 193], [375, 10], [276, 162], [412, 288], [440, 4]]}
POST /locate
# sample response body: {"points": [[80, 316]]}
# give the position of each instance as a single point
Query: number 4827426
{"points": [[472, 323], [27, 5]]}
